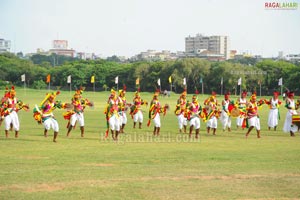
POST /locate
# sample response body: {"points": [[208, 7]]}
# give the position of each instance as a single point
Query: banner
{"points": [[170, 79], [240, 81], [23, 78], [137, 81], [184, 81], [93, 79], [117, 80], [280, 82], [158, 82], [69, 79], [222, 81], [48, 79]]}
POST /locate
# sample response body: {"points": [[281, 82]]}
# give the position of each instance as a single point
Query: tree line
{"points": [[212, 76]]}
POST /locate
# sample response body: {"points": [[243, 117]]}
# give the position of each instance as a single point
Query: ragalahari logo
{"points": [[281, 5]]}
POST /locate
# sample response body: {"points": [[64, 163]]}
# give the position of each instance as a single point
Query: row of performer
{"points": [[245, 112]]}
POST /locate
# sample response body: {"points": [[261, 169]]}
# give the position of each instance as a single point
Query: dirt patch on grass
{"points": [[51, 187], [32, 157], [98, 164]]}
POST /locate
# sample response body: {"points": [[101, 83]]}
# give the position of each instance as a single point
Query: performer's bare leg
{"points": [[214, 131], [16, 134], [258, 133], [197, 133], [154, 131], [249, 130], [157, 131], [55, 136], [69, 130], [6, 133], [191, 131], [292, 134], [113, 135], [134, 123], [140, 125], [46, 133], [208, 129], [122, 128], [117, 133], [82, 131], [229, 129], [184, 128], [275, 128]]}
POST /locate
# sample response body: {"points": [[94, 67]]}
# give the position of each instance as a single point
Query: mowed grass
{"points": [[139, 166]]}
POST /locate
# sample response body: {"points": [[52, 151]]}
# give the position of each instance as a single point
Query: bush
{"points": [[39, 84]]}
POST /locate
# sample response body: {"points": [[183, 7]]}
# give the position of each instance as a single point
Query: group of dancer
{"points": [[187, 112], [245, 112]]}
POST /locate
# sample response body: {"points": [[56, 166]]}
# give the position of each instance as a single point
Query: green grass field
{"points": [[139, 166]]}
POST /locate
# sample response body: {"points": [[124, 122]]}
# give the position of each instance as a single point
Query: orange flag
{"points": [[48, 78]]}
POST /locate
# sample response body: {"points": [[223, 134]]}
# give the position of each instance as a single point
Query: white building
{"points": [[5, 45], [217, 45]]}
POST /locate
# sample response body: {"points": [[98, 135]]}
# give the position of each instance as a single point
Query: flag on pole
{"points": [[280, 82], [240, 81], [93, 79], [158, 82], [23, 78], [201, 81], [222, 81], [48, 79], [184, 81], [170, 79], [117, 80], [69, 79], [137, 81]]}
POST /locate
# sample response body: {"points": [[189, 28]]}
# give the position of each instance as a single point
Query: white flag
{"points": [[158, 82], [184, 81], [117, 80], [222, 81], [240, 81], [23, 78], [69, 79], [280, 81]]}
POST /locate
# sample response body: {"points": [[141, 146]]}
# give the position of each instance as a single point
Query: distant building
{"points": [[5, 45], [152, 55], [293, 57], [60, 47], [216, 45]]}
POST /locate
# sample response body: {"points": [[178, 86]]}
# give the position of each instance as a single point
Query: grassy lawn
{"points": [[139, 166]]}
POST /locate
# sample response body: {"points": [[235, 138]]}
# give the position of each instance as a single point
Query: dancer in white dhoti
{"points": [[292, 107], [225, 115], [274, 104]]}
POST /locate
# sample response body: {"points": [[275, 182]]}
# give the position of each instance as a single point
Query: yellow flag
{"points": [[137, 81], [170, 79], [93, 79]]}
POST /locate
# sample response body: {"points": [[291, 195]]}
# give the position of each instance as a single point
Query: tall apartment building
{"points": [[5, 45], [218, 45]]}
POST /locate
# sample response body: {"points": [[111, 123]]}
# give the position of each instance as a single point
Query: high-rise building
{"points": [[5, 45], [217, 45]]}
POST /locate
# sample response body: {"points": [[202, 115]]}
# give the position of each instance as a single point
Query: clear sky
{"points": [[127, 27]]}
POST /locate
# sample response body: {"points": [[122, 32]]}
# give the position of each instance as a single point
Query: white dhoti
{"points": [[225, 120], [288, 125], [114, 122], [255, 122], [77, 117], [195, 121], [212, 122], [273, 118], [182, 121], [156, 120], [51, 123], [138, 117], [13, 119], [123, 118]]}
